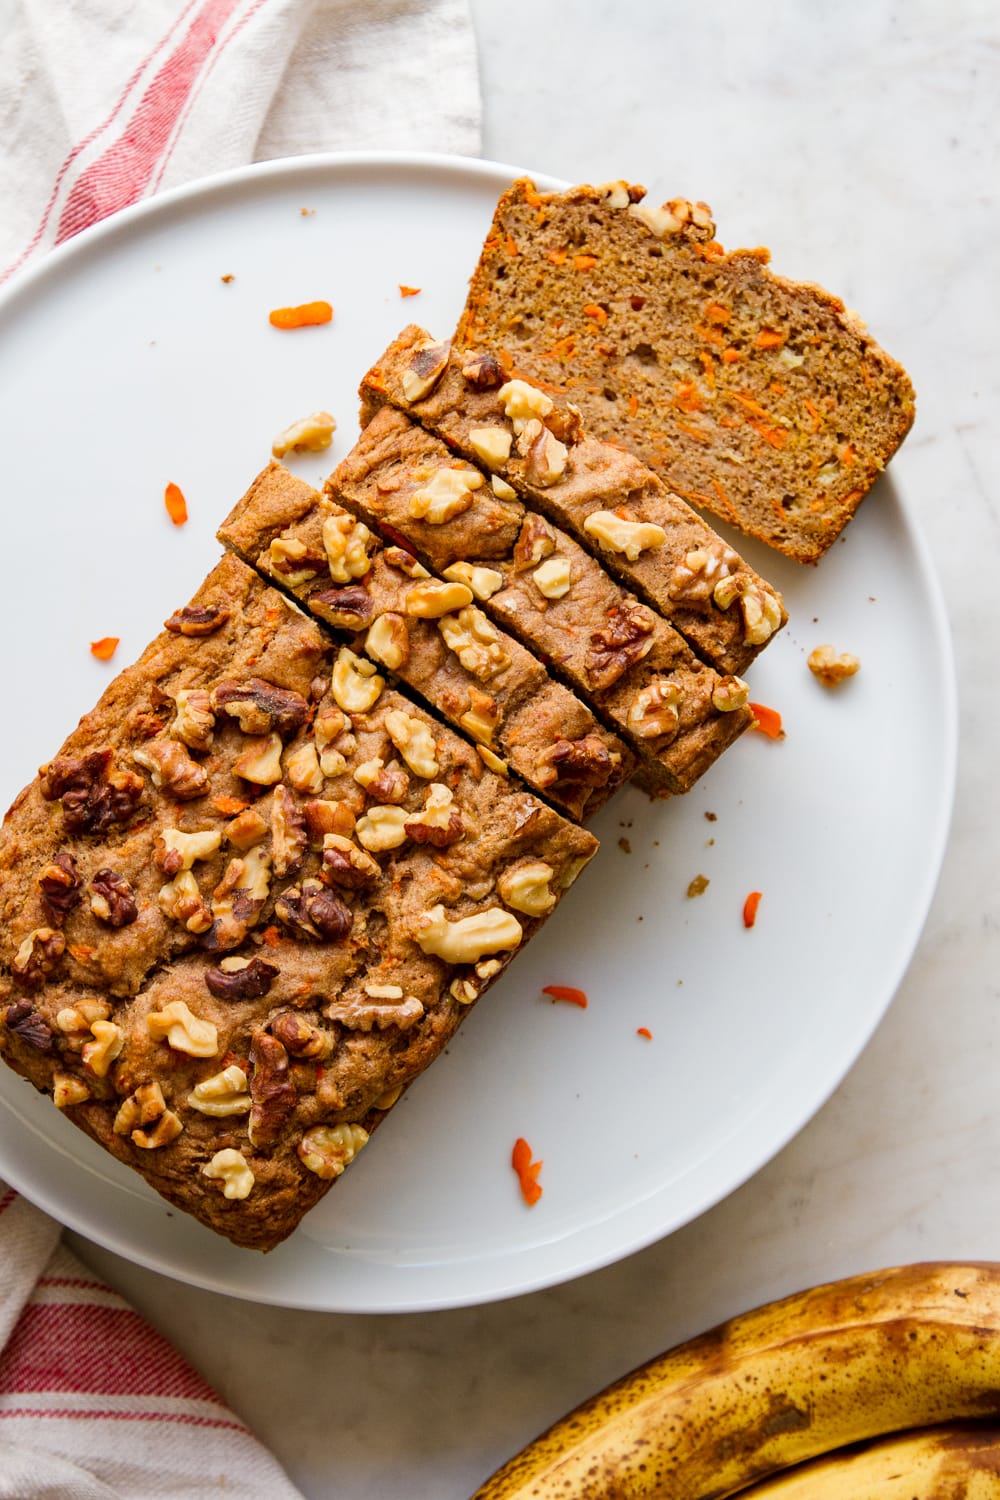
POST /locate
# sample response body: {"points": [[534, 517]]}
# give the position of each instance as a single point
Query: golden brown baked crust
{"points": [[500, 694], [634, 670], [615, 507], [250, 900], [760, 399]]}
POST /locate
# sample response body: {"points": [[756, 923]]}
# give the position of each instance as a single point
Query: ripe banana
{"points": [[948, 1462], [837, 1364]]}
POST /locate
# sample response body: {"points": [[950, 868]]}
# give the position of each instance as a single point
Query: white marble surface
{"points": [[861, 143]]}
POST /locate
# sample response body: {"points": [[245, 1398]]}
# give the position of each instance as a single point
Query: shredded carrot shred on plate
{"points": [[750, 906], [644, 1031], [567, 992], [306, 315], [767, 720], [105, 648], [409, 291], [173, 499], [527, 1171]]}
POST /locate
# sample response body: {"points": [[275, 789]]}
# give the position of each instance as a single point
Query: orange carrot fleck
{"points": [[306, 315], [717, 312], [510, 245], [712, 250], [769, 338], [777, 437], [644, 1031], [814, 414], [708, 365], [687, 397], [173, 499], [595, 311], [409, 291], [698, 433], [847, 455], [105, 648], [527, 1171], [532, 197], [730, 356], [767, 720], [229, 807], [81, 952], [750, 906], [749, 404], [585, 262], [712, 335], [633, 405], [271, 936], [566, 992], [557, 257]]}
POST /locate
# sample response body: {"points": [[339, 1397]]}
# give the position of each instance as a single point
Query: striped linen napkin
{"points": [[94, 1404], [102, 103]]}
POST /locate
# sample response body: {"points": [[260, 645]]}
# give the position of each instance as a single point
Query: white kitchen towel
{"points": [[94, 1404], [104, 102]]}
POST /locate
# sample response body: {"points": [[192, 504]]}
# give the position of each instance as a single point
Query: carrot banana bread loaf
{"points": [[636, 672], [762, 400], [250, 899], [602, 495], [400, 616]]}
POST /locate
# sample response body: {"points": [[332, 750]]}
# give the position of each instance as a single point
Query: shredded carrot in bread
{"points": [[567, 992], [306, 315], [633, 405], [271, 936], [776, 436], [81, 952], [767, 720], [687, 397], [749, 404], [711, 250], [105, 648], [769, 338], [176, 505], [510, 245], [527, 1171], [716, 312], [814, 414], [725, 502], [585, 262], [730, 356], [750, 906], [848, 455], [710, 335], [698, 433], [557, 257], [532, 197], [595, 311], [708, 365]]}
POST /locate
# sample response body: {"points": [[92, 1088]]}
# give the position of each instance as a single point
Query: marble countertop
{"points": [[861, 143]]}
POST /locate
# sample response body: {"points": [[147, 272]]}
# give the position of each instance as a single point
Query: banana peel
{"points": [[951, 1461], [838, 1364]]}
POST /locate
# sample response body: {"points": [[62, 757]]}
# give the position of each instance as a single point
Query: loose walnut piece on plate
{"points": [[829, 667], [308, 435]]}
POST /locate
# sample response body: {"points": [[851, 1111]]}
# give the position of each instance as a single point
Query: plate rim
{"points": [[26, 282]]}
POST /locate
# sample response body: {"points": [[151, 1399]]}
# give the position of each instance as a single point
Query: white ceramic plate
{"points": [[125, 362]]}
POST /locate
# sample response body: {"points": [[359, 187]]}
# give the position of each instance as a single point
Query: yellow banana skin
{"points": [[852, 1360], [948, 1462]]}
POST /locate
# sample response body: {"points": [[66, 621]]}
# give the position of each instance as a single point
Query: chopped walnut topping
{"points": [[429, 601], [482, 718], [382, 828], [112, 899], [241, 978], [492, 445], [68, 1089], [583, 762], [671, 217], [260, 707], [308, 435], [327, 728], [388, 1098], [615, 194], [172, 769], [230, 1167], [288, 832], [303, 769], [475, 642], [108, 1042], [59, 882], [536, 540], [238, 899], [626, 639], [146, 1107], [246, 829], [345, 865], [523, 402], [388, 640], [75, 1021], [272, 1089], [182, 1030], [38, 955], [502, 489], [482, 370], [176, 850], [291, 560], [350, 607], [729, 694], [467, 939], [182, 901], [614, 534], [413, 739], [438, 823], [463, 990], [299, 1038], [761, 611], [694, 580], [25, 1022], [323, 817], [447, 494], [566, 423], [94, 795], [194, 720], [196, 620], [398, 557], [428, 363], [491, 761], [368, 1014], [328, 1149], [824, 663], [356, 686], [552, 579], [545, 456], [526, 888], [311, 910], [222, 1095], [484, 582], [346, 542], [654, 712], [389, 783], [260, 762]]}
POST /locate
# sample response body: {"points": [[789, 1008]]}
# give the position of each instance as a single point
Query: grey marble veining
{"points": [[861, 143]]}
